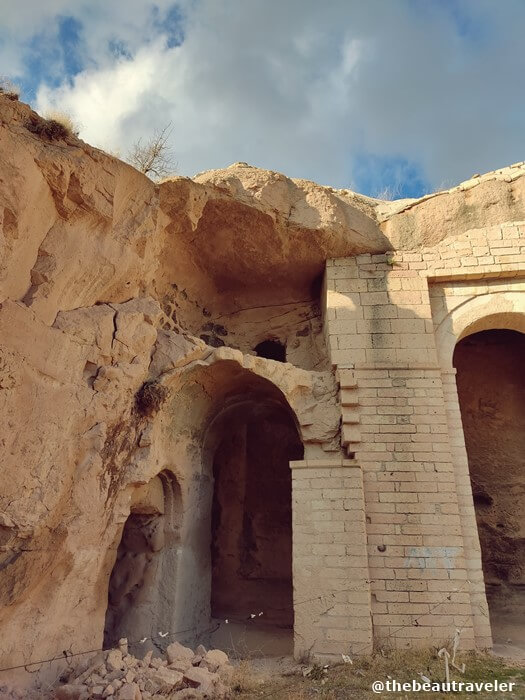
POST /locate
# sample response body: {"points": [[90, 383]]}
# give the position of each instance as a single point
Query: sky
{"points": [[401, 97]]}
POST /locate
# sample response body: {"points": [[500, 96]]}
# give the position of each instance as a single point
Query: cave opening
{"points": [[271, 350], [251, 540], [142, 585], [491, 387]]}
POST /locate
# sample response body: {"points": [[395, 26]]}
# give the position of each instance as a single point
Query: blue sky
{"points": [[389, 96]]}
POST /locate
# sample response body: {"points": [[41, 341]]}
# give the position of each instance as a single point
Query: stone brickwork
{"points": [[330, 567], [391, 324]]}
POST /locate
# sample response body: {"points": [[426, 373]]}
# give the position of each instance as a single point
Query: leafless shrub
{"points": [[155, 156], [389, 193]]}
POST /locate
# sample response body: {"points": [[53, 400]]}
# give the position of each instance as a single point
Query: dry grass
{"points": [[63, 118], [355, 680], [55, 126], [9, 89], [243, 680], [149, 398], [48, 129]]}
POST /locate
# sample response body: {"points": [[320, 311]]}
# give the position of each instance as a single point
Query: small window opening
{"points": [[271, 350]]}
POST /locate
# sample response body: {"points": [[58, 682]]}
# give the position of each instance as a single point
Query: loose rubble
{"points": [[182, 673]]}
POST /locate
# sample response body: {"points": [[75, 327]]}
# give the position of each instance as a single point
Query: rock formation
{"points": [[142, 332]]}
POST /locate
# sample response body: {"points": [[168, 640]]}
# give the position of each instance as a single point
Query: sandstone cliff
{"points": [[118, 298]]}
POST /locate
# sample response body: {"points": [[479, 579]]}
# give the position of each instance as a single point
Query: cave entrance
{"points": [[142, 585], [491, 387], [271, 350], [251, 539]]}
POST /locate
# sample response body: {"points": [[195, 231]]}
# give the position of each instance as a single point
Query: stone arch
{"points": [[201, 388], [495, 309], [491, 390], [504, 310], [211, 403]]}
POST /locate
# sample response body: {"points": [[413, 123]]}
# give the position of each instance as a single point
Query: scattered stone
{"points": [[214, 659], [165, 679], [147, 659], [226, 672], [114, 660], [201, 678], [180, 665], [200, 650], [187, 694], [94, 679], [113, 676], [176, 652], [123, 646], [130, 661], [123, 677], [129, 691], [71, 691]]}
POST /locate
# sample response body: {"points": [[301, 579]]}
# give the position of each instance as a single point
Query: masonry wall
{"points": [[401, 423], [330, 568]]}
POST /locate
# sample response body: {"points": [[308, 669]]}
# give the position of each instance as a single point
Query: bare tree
{"points": [[155, 157]]}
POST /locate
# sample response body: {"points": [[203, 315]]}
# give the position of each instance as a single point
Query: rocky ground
{"points": [[182, 673]]}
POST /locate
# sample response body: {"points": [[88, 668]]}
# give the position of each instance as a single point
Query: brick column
{"points": [[420, 588], [330, 568]]}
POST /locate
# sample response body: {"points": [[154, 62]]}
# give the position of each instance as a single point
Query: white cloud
{"points": [[304, 87]]}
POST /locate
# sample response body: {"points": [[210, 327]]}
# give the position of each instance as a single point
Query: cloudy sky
{"points": [[412, 95]]}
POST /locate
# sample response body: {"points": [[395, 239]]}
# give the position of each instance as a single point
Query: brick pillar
{"points": [[330, 568], [420, 588]]}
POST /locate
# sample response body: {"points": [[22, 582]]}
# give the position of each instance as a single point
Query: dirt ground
{"points": [[281, 678], [507, 617]]}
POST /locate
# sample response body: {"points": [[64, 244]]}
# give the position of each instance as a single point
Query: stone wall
{"points": [[331, 586]]}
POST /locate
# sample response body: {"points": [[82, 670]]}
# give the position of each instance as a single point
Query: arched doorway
{"points": [[142, 585], [249, 443], [491, 388]]}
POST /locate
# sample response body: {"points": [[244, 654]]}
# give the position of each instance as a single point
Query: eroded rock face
{"points": [[129, 317]]}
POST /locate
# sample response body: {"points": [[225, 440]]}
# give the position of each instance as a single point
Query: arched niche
{"points": [[237, 434], [143, 582]]}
